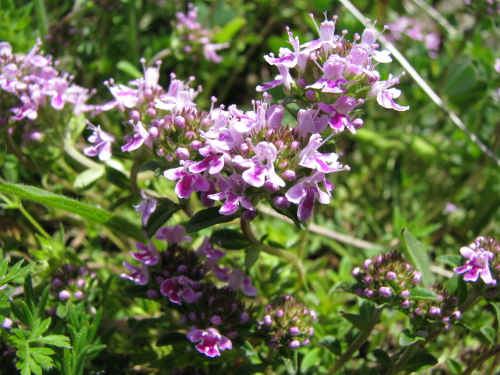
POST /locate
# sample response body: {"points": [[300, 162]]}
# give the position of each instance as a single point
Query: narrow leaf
{"points": [[207, 218], [423, 294], [251, 255], [454, 366], [417, 255], [172, 338], [229, 239], [85, 210], [56, 340], [161, 215]]}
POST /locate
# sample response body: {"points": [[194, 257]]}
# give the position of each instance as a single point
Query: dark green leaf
{"points": [[87, 211], [246, 349], [251, 255], [347, 287], [172, 338], [310, 360], [207, 218], [56, 340], [420, 361], [291, 213], [141, 325], [117, 177], [417, 255], [356, 320], [454, 366], [291, 364], [159, 217], [366, 310], [496, 307], [135, 291], [293, 99], [382, 358], [488, 333], [251, 368], [423, 294], [333, 344], [229, 239], [451, 260], [43, 301], [406, 338], [152, 165]]}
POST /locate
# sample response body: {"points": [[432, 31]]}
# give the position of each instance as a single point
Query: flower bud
{"points": [[434, 311], [182, 153], [248, 215], [281, 202], [135, 115], [215, 320], [180, 122], [79, 295], [64, 295], [196, 145], [417, 277], [294, 344], [391, 276], [289, 175], [294, 331], [385, 291], [153, 294]]}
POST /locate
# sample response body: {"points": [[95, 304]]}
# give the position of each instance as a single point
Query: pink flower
{"points": [[146, 207], [211, 341], [139, 275], [236, 281], [173, 235], [233, 192], [102, 143], [476, 265], [147, 255], [385, 95], [188, 182], [261, 166], [177, 287]]}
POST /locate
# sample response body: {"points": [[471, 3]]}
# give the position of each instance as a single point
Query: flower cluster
{"points": [[333, 75], [195, 37], [287, 323], [177, 275], [71, 281], [416, 30], [34, 80], [387, 278], [482, 254], [441, 313]]}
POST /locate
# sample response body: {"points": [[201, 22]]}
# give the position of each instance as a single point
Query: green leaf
{"points": [[451, 260], [291, 364], [135, 291], [496, 307], [294, 98], [383, 358], [172, 338], [56, 340], [117, 177], [406, 338], [207, 218], [346, 287], [356, 320], [423, 294], [332, 343], [129, 69], [3, 269], [417, 255], [159, 217], [420, 361], [87, 211], [488, 333], [229, 239], [251, 255], [88, 177], [141, 325], [291, 213], [454, 366], [152, 165], [251, 368], [230, 29]]}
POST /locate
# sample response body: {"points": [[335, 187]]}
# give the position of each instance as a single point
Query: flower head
{"points": [[211, 341], [477, 264]]}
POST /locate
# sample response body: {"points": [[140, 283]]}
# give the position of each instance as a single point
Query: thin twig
{"points": [[424, 86]]}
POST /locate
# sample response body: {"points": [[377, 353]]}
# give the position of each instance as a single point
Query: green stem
{"points": [[79, 157], [408, 352], [33, 221], [9, 142], [481, 359], [132, 28], [41, 16], [283, 254], [360, 340]]}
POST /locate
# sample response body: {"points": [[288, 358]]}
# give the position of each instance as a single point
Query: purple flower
{"points": [[211, 341], [147, 255], [340, 113], [476, 265], [385, 95], [188, 182], [173, 235], [177, 287], [207, 250], [236, 281], [310, 157], [139, 275], [102, 140], [146, 207], [306, 191], [332, 78], [261, 166], [141, 136], [233, 192]]}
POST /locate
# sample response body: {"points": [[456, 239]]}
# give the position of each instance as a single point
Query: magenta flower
{"points": [[102, 143], [188, 182], [173, 235], [306, 191], [141, 136], [385, 95], [340, 113], [476, 265], [211, 341], [207, 250], [139, 275], [261, 166], [237, 281], [147, 255], [146, 207], [310, 157], [178, 287], [233, 192]]}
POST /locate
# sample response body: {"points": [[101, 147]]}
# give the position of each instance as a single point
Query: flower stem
{"points": [[481, 359], [79, 157], [360, 340], [283, 254], [33, 221], [398, 366]]}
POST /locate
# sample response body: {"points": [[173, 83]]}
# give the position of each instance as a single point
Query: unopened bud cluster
{"points": [[70, 281], [176, 276], [287, 323], [386, 278], [426, 314]]}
